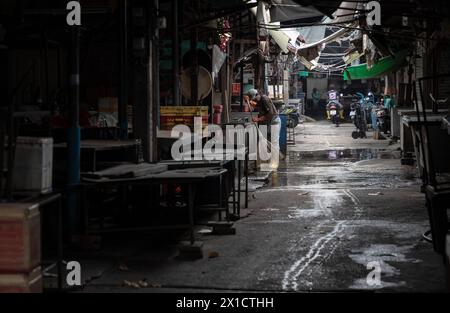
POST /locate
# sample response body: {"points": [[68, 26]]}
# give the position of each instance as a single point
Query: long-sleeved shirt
{"points": [[267, 110]]}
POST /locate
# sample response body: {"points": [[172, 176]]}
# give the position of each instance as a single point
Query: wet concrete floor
{"points": [[335, 206]]}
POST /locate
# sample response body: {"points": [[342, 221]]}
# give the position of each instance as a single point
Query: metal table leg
{"points": [[227, 207], [239, 188], [246, 179], [191, 195], [220, 197], [85, 209], [60, 244], [234, 187]]}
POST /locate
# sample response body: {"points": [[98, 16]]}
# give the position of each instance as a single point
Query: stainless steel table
{"points": [[189, 177]]}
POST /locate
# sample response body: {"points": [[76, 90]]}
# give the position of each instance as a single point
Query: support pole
{"points": [[242, 86], [123, 89], [176, 55], [194, 73], [156, 93], [142, 90], [73, 140]]}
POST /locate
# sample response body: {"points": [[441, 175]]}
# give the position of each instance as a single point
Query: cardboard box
{"points": [[22, 282], [20, 237], [109, 105]]}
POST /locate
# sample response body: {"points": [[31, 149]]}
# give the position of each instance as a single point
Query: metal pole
{"points": [[59, 80], [73, 140], [258, 63], [194, 73], [156, 96], [176, 55], [150, 83], [242, 86], [11, 149], [46, 69], [123, 92]]}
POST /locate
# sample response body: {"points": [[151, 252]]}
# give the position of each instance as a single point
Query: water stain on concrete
{"points": [[386, 255]]}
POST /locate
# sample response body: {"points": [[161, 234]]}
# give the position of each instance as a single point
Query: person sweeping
{"points": [[267, 115]]}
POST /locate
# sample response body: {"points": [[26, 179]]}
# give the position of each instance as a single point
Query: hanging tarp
{"points": [[325, 40], [327, 7], [382, 67], [346, 12], [312, 34], [263, 16]]}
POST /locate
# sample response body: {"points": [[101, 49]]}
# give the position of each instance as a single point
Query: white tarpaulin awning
{"points": [[314, 36], [325, 40], [263, 16]]}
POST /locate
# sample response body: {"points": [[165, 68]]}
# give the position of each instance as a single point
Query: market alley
{"points": [[341, 204]]}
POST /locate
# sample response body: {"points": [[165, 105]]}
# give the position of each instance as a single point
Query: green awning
{"points": [[383, 66]]}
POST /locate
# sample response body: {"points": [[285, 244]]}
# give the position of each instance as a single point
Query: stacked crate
{"points": [[20, 248]]}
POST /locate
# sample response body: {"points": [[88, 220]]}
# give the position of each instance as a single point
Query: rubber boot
{"points": [[341, 114], [328, 115]]}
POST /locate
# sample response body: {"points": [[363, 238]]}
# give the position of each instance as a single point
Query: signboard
{"points": [[170, 116], [303, 74], [235, 89]]}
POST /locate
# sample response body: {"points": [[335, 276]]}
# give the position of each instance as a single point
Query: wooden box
{"points": [[22, 282], [20, 237]]}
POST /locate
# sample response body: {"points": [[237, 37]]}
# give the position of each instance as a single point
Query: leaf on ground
{"points": [[213, 254]]}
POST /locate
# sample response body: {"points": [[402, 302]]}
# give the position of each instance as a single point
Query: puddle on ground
{"points": [[383, 254], [322, 203], [347, 168], [346, 154]]}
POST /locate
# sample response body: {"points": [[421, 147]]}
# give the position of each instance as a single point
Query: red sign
{"points": [[236, 89]]}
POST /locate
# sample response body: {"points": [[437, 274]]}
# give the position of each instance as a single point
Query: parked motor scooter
{"points": [[369, 104], [383, 119], [357, 116]]}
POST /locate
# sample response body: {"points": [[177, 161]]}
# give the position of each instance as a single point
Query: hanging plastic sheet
{"points": [[287, 10], [218, 58]]}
